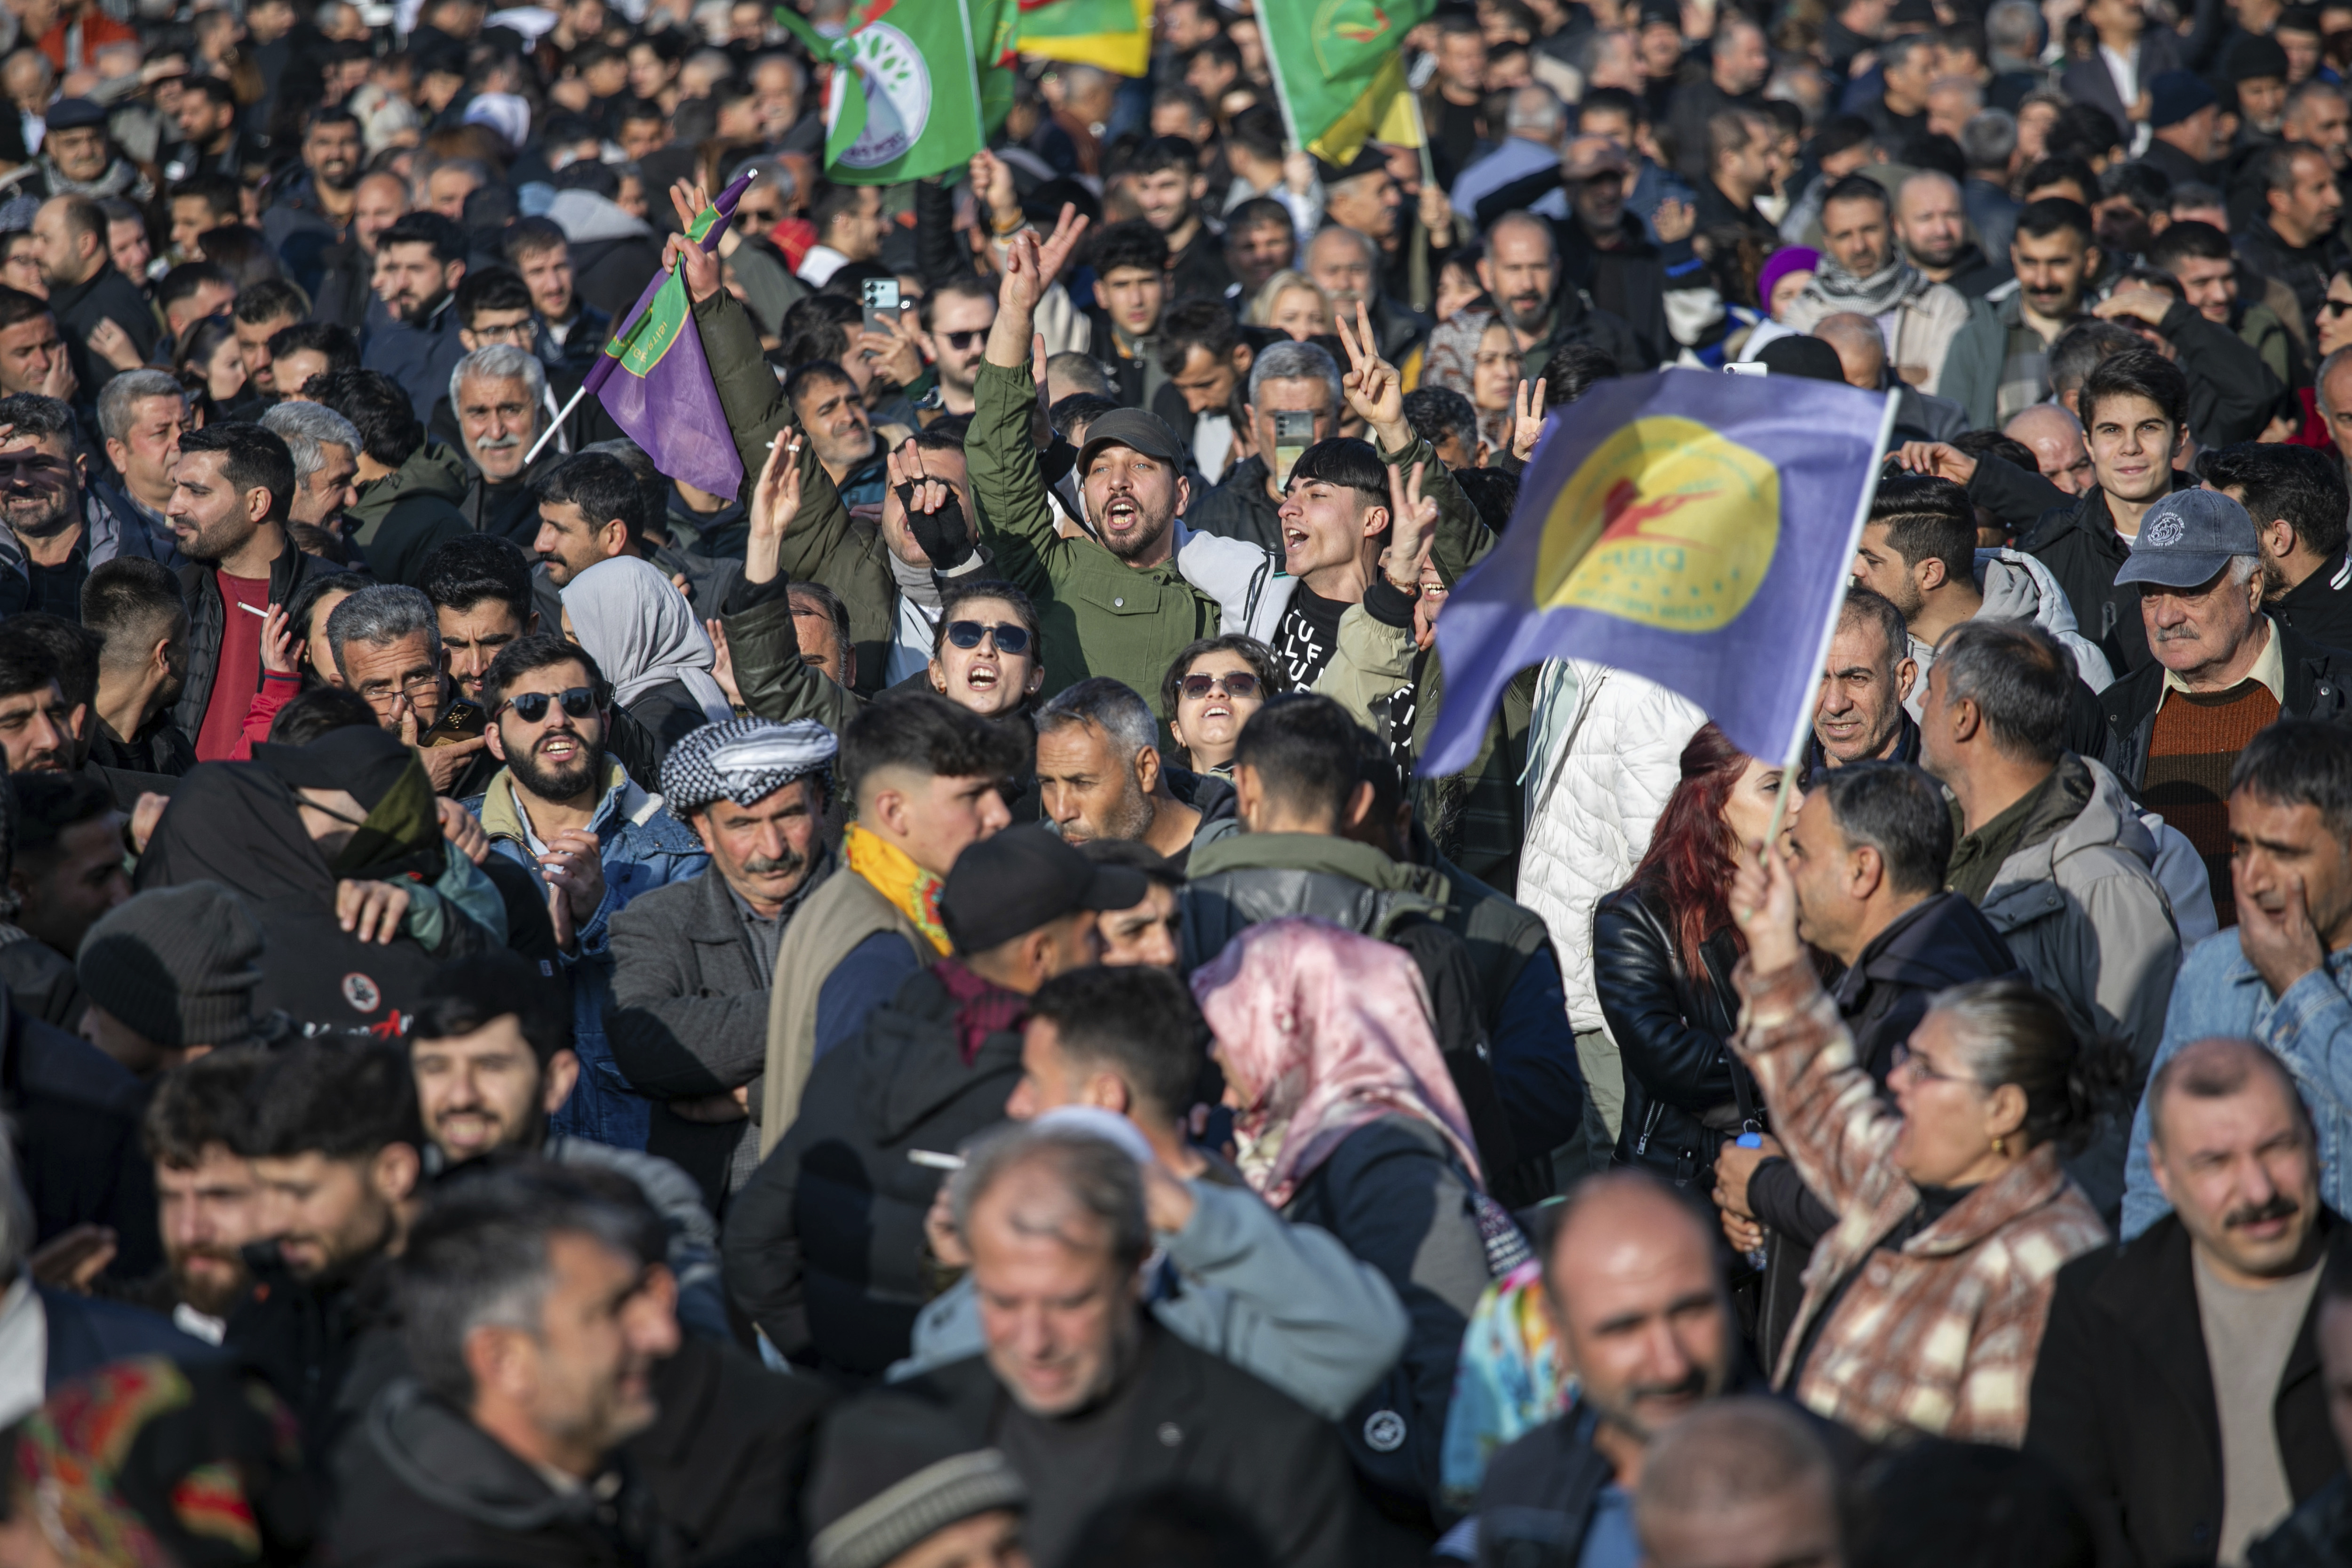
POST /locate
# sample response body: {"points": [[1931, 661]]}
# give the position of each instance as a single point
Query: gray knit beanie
{"points": [[890, 1473], [178, 965]]}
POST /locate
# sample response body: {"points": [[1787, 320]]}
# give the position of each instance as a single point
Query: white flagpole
{"points": [[549, 434]]}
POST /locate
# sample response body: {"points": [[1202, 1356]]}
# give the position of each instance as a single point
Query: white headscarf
{"points": [[641, 632]]}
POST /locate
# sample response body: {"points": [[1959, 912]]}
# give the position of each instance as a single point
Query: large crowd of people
{"points": [[925, 1013]]}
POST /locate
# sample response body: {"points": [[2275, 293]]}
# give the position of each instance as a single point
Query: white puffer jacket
{"points": [[1604, 752]]}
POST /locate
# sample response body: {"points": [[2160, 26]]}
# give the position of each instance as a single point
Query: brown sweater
{"points": [[2197, 737]]}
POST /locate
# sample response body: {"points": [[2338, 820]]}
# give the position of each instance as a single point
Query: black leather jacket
{"points": [[1673, 1031]]}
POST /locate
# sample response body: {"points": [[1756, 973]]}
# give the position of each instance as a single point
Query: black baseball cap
{"points": [[1023, 878], [1137, 429]]}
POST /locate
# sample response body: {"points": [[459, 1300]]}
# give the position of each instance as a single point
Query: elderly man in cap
{"points": [[825, 1244], [1130, 609], [693, 962], [78, 158], [2222, 670]]}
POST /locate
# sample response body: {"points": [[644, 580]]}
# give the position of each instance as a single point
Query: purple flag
{"points": [[654, 382]]}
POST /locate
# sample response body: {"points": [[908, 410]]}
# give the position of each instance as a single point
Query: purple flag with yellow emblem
{"points": [[1692, 527], [654, 382]]}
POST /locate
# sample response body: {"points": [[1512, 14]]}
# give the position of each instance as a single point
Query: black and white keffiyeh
{"points": [[742, 760]]}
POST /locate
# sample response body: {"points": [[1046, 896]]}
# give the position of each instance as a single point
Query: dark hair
{"points": [[2219, 1068], [1928, 519], [320, 710], [602, 488], [1936, 1503], [2187, 238], [1572, 371], [540, 650], [26, 663], [1896, 810], [810, 374], [1304, 749], [1175, 1524], [925, 732], [836, 612], [1259, 129], [2146, 186], [219, 193], [962, 591], [2083, 130], [342, 1099], [1139, 1020], [197, 1104], [1078, 408], [1493, 493], [817, 327], [389, 430], [2021, 678], [48, 803], [2300, 484], [1993, 444], [832, 201], [1625, 101], [2136, 372], [16, 307], [426, 228], [340, 349], [1136, 856], [252, 458], [1204, 324], [491, 289], [1260, 212], [465, 571], [1256, 654], [182, 281], [1859, 188], [2018, 1033], [69, 650], [242, 253], [1346, 461], [1134, 243], [1437, 411], [303, 607], [2078, 350], [270, 299], [533, 236], [1693, 850], [128, 602], [1162, 153], [2299, 761], [472, 992], [2052, 214]]}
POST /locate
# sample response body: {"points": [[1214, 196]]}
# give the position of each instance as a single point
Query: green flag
{"points": [[1113, 34], [905, 103], [995, 28], [1339, 70]]}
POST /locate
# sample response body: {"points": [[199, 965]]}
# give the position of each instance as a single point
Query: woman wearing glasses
{"points": [[1209, 693]]}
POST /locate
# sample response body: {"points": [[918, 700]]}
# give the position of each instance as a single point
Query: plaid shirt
{"points": [[1938, 1335]]}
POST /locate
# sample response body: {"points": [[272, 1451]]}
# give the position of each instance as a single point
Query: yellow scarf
{"points": [[912, 892]]}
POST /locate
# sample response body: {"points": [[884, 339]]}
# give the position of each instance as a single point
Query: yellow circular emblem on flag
{"points": [[1666, 524]]}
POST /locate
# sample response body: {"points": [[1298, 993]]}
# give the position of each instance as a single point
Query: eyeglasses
{"points": [[416, 689], [531, 707], [1014, 640], [1905, 1056], [964, 342], [766, 217], [1235, 683]]}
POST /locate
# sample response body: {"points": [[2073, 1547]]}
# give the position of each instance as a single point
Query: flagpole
{"points": [[1804, 726], [549, 434]]}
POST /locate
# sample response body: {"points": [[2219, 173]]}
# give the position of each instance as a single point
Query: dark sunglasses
{"points": [[2333, 307], [1014, 640], [1239, 683], [531, 707], [963, 342]]}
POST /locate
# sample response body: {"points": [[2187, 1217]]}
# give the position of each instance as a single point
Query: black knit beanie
{"points": [[178, 965], [891, 1472]]}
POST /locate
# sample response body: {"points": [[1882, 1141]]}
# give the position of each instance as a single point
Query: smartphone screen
{"points": [[1293, 434], [881, 299]]}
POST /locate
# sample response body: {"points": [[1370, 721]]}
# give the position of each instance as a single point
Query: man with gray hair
{"points": [[1535, 124], [1100, 772], [386, 644], [142, 415], [52, 535], [1054, 1214], [1738, 1481], [1288, 378], [2036, 817], [326, 449], [498, 394]]}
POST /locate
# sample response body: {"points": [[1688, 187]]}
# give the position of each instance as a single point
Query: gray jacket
{"points": [[2083, 914], [1285, 1303]]}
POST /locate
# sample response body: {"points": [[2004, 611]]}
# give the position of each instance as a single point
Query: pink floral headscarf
{"points": [[1321, 1031]]}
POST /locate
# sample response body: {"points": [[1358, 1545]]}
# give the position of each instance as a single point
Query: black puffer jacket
{"points": [[1684, 1092], [2079, 543], [825, 1246], [208, 614]]}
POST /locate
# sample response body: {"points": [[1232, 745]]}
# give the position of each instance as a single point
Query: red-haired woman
{"points": [[1663, 946]]}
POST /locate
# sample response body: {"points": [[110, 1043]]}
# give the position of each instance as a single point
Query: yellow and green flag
{"points": [[1339, 70], [1113, 34]]}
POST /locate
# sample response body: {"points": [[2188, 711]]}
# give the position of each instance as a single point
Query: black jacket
{"points": [[2123, 1400], [208, 613], [1199, 1422], [425, 1486], [2319, 686], [160, 747], [1683, 1092], [727, 1457], [105, 295], [1238, 507], [2079, 543], [1577, 319], [303, 1337], [2318, 1535], [825, 1247], [610, 274], [2305, 268], [77, 1111], [2320, 606]]}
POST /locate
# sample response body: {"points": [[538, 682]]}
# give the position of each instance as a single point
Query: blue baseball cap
{"points": [[2187, 538]]}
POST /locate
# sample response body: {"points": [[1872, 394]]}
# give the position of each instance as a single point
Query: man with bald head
{"points": [[1861, 354], [1632, 1289], [1740, 1481], [2054, 437], [2178, 1385], [1521, 271], [1931, 221]]}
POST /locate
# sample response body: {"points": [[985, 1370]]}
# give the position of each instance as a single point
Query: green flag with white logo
{"points": [[905, 101]]}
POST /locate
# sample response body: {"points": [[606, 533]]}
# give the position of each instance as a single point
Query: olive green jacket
{"points": [[1099, 615], [825, 544]]}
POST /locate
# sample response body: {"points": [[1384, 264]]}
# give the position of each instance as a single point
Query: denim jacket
{"points": [[644, 848], [2309, 1028]]}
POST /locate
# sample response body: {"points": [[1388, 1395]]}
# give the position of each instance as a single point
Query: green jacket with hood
{"points": [[401, 519]]}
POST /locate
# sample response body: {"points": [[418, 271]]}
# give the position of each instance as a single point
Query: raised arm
{"points": [[1017, 520]]}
